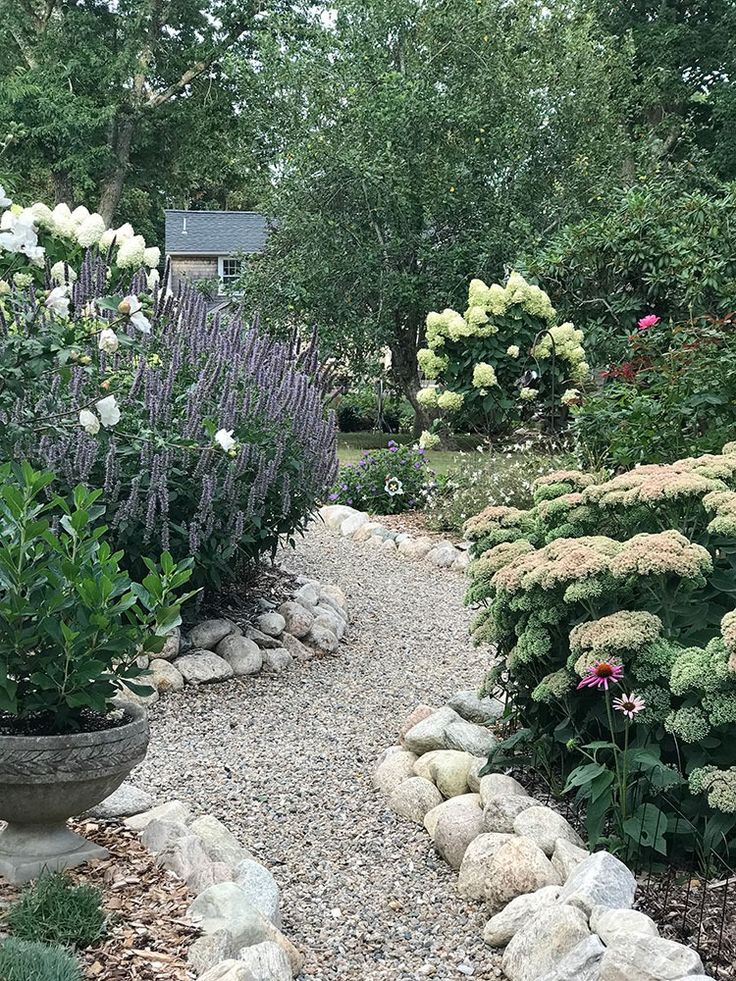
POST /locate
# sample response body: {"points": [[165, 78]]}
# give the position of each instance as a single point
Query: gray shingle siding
{"points": [[214, 232]]}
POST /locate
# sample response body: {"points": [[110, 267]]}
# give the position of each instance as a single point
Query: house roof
{"points": [[214, 232]]}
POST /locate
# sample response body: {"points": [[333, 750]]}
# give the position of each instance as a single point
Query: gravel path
{"points": [[286, 762]]}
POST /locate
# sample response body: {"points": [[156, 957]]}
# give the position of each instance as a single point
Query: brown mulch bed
{"points": [[147, 937], [238, 600]]}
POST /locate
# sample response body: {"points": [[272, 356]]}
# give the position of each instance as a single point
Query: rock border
{"points": [[561, 912], [236, 900], [311, 622], [360, 527]]}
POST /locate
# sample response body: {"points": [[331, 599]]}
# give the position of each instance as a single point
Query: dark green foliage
{"points": [[53, 911], [364, 408], [22, 960]]}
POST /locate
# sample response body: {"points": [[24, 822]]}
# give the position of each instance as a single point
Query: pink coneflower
{"points": [[651, 320], [601, 674], [630, 705]]}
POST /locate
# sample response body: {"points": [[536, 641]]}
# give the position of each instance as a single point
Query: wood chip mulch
{"points": [[147, 934]]}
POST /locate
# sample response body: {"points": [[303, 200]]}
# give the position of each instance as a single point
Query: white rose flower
{"points": [[152, 256], [131, 307], [131, 252], [90, 231], [61, 275], [108, 411], [89, 422], [108, 341], [224, 438], [58, 301], [5, 202]]}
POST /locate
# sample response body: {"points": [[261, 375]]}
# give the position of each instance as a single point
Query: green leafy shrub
{"points": [[21, 960], [357, 411], [637, 571], [386, 481], [673, 394], [71, 621], [499, 477], [505, 358], [54, 911], [660, 246]]}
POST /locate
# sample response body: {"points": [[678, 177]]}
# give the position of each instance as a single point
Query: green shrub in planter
{"points": [[637, 572], [72, 623], [22, 960], [54, 911], [386, 481]]}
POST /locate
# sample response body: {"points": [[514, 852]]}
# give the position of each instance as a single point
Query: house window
{"points": [[229, 271]]}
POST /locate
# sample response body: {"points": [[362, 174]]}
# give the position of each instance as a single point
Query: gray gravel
{"points": [[286, 762]]}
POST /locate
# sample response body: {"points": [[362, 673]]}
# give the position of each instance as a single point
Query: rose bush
{"points": [[637, 571], [505, 358]]}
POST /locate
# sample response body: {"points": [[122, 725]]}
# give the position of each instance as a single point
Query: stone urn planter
{"points": [[45, 780]]}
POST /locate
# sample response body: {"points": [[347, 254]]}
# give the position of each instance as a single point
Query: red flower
{"points": [[651, 320]]}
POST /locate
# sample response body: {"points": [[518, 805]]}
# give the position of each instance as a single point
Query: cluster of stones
{"points": [[314, 620], [358, 526], [561, 913], [236, 899]]}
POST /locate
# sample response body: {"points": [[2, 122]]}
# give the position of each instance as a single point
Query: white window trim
{"points": [[221, 267]]}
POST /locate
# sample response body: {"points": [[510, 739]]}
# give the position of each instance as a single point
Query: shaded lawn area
{"points": [[351, 446]]}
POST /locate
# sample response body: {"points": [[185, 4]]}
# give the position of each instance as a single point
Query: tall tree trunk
{"points": [[405, 370], [112, 188], [63, 189]]}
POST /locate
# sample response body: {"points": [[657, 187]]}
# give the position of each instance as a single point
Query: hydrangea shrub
{"points": [[506, 357], [208, 437], [386, 481], [638, 570]]}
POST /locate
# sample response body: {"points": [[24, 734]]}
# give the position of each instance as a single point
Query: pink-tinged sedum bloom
{"points": [[630, 705], [601, 674], [651, 320]]}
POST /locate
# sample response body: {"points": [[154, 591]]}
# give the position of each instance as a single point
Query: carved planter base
{"points": [[45, 780]]}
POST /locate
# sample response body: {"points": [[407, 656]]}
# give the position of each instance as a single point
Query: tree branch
{"points": [[189, 75]]}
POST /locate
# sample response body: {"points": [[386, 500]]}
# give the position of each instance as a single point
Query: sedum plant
{"points": [[505, 358], [72, 623], [635, 571]]}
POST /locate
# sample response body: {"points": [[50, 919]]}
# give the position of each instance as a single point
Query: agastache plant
{"points": [[213, 438]]}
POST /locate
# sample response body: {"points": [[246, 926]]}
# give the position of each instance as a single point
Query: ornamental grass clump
{"points": [[208, 437], [388, 481], [637, 572], [504, 359]]}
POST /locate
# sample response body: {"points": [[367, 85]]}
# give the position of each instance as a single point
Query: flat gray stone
{"points": [[500, 812], [548, 937], [219, 842], [162, 833], [499, 785], [260, 887], [473, 708], [394, 769], [266, 962], [209, 633], [518, 867], [609, 923], [244, 656], [123, 802], [203, 667], [173, 810], [601, 880], [271, 624], [277, 660], [307, 595], [505, 924], [475, 878], [545, 826], [263, 640], [583, 963], [567, 856], [443, 556], [471, 738], [321, 637], [229, 970], [208, 951], [634, 957], [299, 651], [170, 650], [429, 733]]}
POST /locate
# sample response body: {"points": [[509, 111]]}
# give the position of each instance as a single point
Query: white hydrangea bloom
{"points": [[80, 214], [43, 214], [152, 278], [62, 222], [61, 275], [123, 233], [131, 252], [5, 201], [91, 230], [151, 256]]}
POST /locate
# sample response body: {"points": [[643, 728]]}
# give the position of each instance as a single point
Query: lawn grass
{"points": [[351, 446]]}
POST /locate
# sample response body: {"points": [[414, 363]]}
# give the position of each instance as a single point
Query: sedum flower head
{"points": [[719, 787], [698, 669], [627, 630], [554, 686], [688, 723], [484, 376], [663, 553]]}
